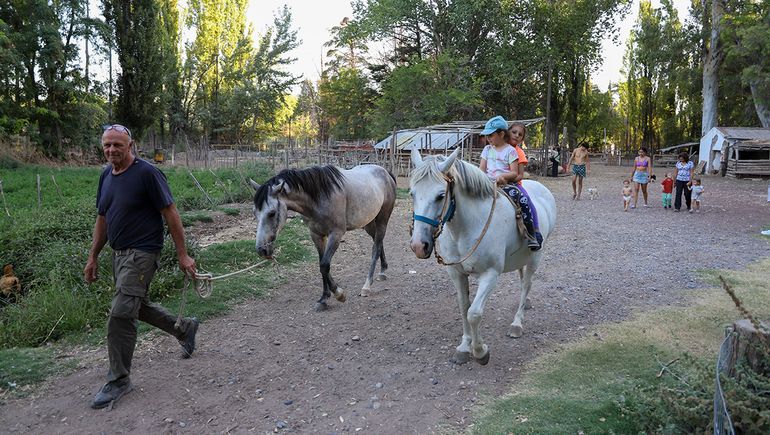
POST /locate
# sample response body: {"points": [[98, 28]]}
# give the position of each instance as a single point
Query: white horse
{"points": [[458, 209]]}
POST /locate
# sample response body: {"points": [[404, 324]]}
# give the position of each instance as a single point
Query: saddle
{"points": [[519, 219]]}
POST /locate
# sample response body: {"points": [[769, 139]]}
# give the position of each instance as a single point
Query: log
{"points": [[748, 345]]}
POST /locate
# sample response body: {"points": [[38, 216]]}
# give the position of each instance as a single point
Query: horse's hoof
{"points": [[527, 304], [460, 358], [320, 306], [340, 295], [484, 360], [515, 331], [381, 277], [364, 293]]}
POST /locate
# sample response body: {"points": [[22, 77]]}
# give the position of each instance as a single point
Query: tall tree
{"points": [[139, 42], [712, 60], [747, 43], [345, 99], [172, 87], [43, 88]]}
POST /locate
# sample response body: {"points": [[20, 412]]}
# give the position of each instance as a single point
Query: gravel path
{"points": [[381, 364]]}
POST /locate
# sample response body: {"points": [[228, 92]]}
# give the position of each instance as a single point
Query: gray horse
{"points": [[331, 201]]}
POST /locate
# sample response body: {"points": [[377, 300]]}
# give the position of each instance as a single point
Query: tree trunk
{"points": [[573, 102], [750, 346], [760, 103], [713, 59], [553, 114]]}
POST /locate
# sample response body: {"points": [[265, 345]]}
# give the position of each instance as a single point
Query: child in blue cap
{"points": [[499, 162]]}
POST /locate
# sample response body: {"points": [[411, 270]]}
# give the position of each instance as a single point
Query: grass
{"points": [[230, 211], [402, 193], [585, 385], [22, 368], [190, 217]]}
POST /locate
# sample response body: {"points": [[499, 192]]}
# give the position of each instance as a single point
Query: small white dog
{"points": [[593, 193]]}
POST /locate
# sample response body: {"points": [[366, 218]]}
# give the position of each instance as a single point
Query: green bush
{"points": [[8, 162], [683, 402]]}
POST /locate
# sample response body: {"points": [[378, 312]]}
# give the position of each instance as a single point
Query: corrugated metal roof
{"points": [[745, 133], [442, 135], [409, 140], [681, 145]]}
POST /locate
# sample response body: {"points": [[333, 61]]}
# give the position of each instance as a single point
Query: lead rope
{"points": [[440, 259], [203, 283]]}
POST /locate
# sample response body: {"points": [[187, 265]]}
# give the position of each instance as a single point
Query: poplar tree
{"points": [[138, 39]]}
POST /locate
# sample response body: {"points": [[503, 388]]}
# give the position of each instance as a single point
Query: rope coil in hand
{"points": [[203, 283]]}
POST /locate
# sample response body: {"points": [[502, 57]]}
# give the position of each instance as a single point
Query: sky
{"points": [[313, 19], [613, 53]]}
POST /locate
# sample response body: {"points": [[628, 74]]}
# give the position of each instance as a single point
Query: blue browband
{"points": [[450, 211]]}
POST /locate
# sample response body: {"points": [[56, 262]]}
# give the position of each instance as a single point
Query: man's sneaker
{"points": [[111, 392], [188, 342]]}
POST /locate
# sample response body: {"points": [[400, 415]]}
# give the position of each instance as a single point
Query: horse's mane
{"points": [[317, 182], [467, 176]]}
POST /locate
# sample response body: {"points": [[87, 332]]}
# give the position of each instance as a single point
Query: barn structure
{"points": [[736, 151], [438, 139]]}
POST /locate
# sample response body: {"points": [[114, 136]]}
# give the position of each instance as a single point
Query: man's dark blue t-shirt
{"points": [[131, 203]]}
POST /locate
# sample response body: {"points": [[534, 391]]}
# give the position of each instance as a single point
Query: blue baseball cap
{"points": [[494, 124]]}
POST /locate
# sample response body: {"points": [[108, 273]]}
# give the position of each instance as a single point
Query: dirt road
{"points": [[381, 364]]}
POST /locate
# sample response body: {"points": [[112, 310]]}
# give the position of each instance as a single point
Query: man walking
{"points": [[133, 200], [581, 168]]}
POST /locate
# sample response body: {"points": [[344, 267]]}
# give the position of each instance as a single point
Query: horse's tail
{"points": [[395, 183]]}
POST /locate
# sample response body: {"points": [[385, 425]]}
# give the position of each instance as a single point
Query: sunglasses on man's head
{"points": [[117, 127]]}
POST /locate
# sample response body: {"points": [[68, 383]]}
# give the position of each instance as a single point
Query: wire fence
{"points": [[723, 424]]}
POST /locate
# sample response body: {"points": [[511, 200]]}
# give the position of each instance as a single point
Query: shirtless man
{"points": [[581, 168]]}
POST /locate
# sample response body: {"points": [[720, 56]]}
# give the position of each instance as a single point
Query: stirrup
{"points": [[535, 243]]}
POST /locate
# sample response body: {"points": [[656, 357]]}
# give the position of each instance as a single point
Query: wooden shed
{"points": [[718, 139], [750, 158]]}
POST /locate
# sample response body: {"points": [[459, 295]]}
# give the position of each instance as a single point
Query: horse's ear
{"points": [[448, 162], [416, 157], [254, 184], [280, 188]]}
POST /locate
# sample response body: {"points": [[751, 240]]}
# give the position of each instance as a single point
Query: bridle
{"points": [[448, 211]]}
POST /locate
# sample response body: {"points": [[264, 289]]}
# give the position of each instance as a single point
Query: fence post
{"points": [[4, 203], [392, 153], [200, 187], [39, 195]]}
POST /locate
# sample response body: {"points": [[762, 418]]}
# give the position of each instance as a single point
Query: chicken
{"points": [[9, 284]]}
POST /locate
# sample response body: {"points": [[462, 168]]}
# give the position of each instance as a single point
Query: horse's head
{"points": [[429, 198], [270, 212]]}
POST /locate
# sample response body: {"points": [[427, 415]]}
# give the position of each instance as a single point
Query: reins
{"points": [[447, 211], [203, 283]]}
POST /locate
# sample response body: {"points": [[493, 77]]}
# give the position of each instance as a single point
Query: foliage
{"points": [[427, 92], [345, 100], [660, 98], [139, 39], [232, 89], [685, 403], [43, 91], [747, 45]]}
